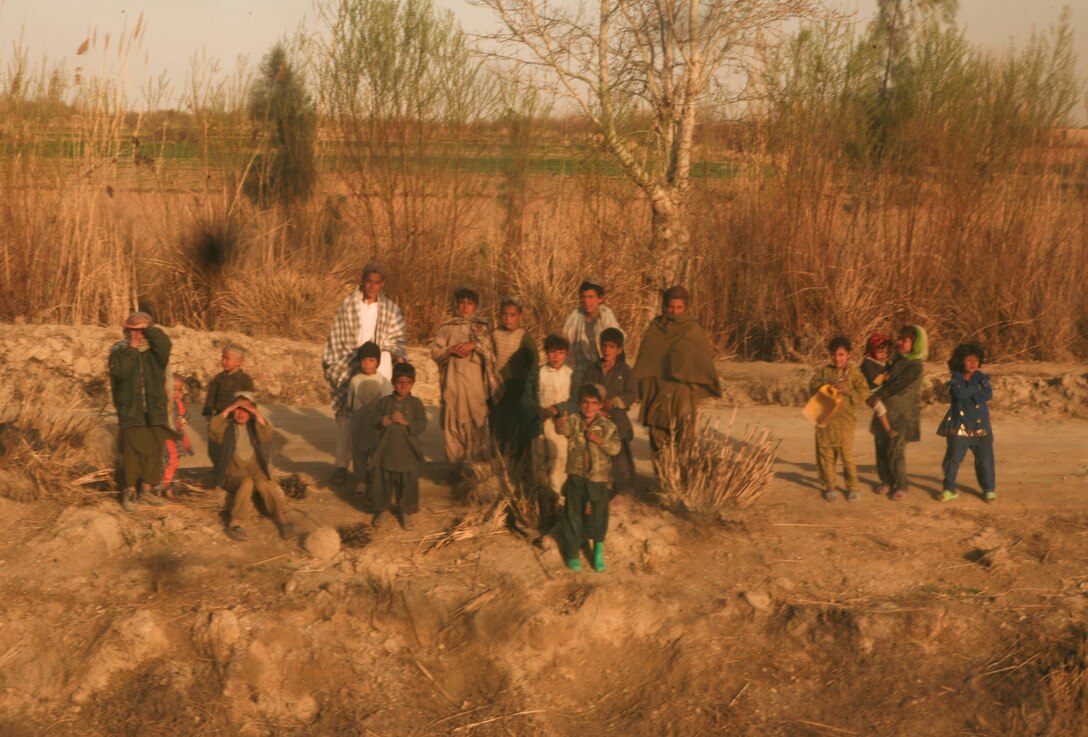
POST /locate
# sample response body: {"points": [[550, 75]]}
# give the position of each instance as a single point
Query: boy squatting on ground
{"points": [[593, 442], [835, 441], [397, 460], [137, 367], [613, 373], [874, 367], [243, 434], [553, 396], [223, 388], [901, 393], [367, 388], [967, 423]]}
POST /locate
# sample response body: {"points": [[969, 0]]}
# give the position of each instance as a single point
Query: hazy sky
{"points": [[175, 29]]}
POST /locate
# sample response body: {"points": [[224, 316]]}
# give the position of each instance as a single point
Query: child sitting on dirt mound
{"points": [[243, 435], [835, 437], [593, 442], [223, 388], [967, 422], [901, 393], [398, 458], [367, 388]]}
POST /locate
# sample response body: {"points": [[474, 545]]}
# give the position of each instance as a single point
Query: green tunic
{"points": [[853, 389]]}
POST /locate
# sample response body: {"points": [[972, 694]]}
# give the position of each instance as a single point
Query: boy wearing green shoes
{"points": [[593, 441]]}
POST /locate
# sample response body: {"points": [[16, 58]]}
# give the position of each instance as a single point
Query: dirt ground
{"points": [[795, 617]]}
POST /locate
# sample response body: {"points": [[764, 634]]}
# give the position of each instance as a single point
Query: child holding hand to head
{"points": [[967, 422], [223, 388], [835, 440], [593, 443], [244, 435]]}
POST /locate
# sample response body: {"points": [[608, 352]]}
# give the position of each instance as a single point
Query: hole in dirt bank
{"points": [[163, 570]]}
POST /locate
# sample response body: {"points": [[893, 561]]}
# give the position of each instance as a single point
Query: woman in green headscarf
{"points": [[673, 371], [902, 396]]}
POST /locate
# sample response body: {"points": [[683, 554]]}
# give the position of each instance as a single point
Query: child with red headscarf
{"points": [[875, 370]]}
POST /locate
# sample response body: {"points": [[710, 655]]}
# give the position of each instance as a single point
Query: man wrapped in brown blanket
{"points": [[674, 371]]}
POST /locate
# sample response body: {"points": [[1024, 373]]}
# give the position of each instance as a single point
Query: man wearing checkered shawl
{"points": [[365, 314]]}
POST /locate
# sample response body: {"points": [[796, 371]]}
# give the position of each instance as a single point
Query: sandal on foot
{"points": [[852, 495], [237, 534], [898, 495], [947, 495], [989, 496], [830, 495], [883, 490]]}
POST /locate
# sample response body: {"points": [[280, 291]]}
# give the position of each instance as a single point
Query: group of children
{"points": [[893, 390], [570, 436]]}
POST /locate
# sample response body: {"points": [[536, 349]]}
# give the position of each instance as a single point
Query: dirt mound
{"points": [[285, 371]]}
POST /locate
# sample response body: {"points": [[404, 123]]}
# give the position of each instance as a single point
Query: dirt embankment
{"points": [[289, 372], [796, 618]]}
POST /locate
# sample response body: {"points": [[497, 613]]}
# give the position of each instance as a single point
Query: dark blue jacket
{"points": [[968, 406]]}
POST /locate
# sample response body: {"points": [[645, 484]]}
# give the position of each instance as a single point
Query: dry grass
{"points": [[707, 472], [796, 243], [51, 445]]}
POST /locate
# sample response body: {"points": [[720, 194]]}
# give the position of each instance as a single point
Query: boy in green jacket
{"points": [[593, 440], [137, 367]]}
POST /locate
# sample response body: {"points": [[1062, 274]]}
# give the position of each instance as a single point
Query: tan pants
{"points": [[463, 441], [829, 455], [550, 458], [270, 492]]}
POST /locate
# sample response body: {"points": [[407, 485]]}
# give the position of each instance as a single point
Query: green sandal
{"points": [[948, 495]]}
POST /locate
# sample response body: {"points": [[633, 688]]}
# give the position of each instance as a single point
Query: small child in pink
{"points": [[174, 449]]}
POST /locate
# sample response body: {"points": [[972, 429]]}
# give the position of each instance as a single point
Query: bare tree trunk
{"points": [[671, 237]]}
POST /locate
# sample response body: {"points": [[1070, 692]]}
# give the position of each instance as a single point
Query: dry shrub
{"points": [[280, 301], [500, 494], [355, 536], [295, 486], [707, 472], [51, 444], [1049, 686]]}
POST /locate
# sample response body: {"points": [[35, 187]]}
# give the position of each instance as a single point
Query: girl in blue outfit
{"points": [[967, 422]]}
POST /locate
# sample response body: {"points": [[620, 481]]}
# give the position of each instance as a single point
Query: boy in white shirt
{"points": [[553, 398], [367, 388]]}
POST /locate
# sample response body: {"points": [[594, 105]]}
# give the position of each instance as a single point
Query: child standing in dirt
{"points": [[553, 396], [512, 417], [901, 394], [398, 459], [967, 422], [613, 373], [223, 388], [243, 435], [174, 449], [593, 443], [367, 388], [468, 379], [835, 440], [874, 367]]}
